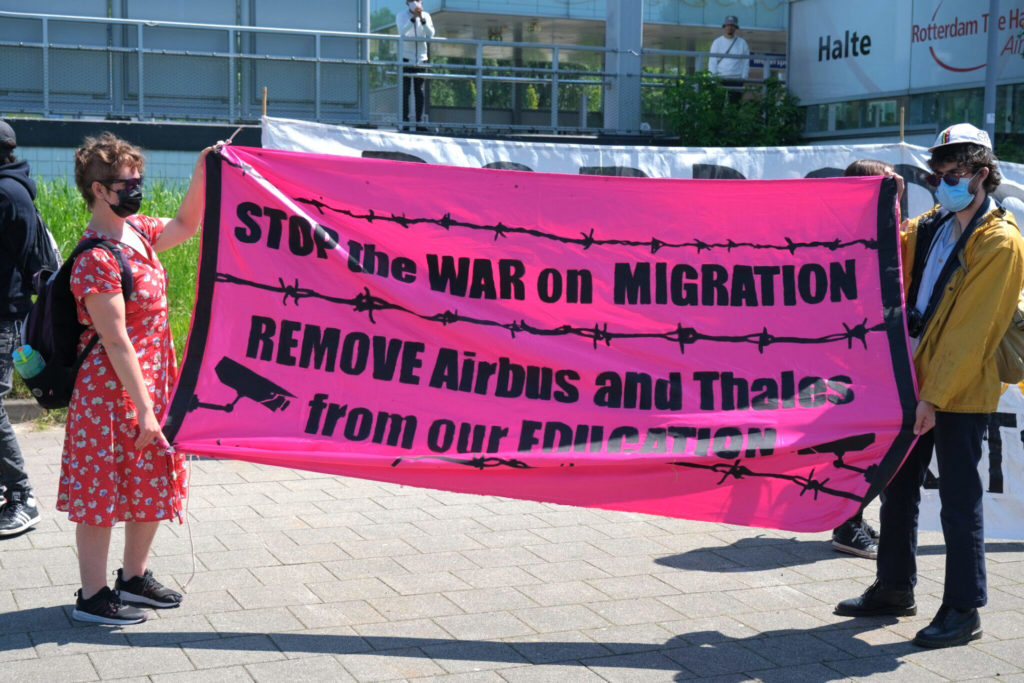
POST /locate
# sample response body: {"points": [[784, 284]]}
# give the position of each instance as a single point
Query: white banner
{"points": [[1002, 467]]}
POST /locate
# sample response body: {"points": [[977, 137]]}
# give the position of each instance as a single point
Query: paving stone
{"points": [[648, 666], [883, 668], [632, 638], [220, 652], [404, 607], [228, 674], [435, 562], [330, 640], [74, 641], [572, 570], [35, 619], [718, 658], [16, 646], [338, 591], [463, 657], [402, 634], [705, 605], [198, 602], [64, 669], [255, 620], [392, 547], [402, 664], [563, 593], [560, 618], [291, 574], [1011, 651], [634, 611], [510, 522], [632, 587], [502, 557], [325, 668], [558, 647], [248, 558], [414, 584], [483, 626], [370, 567], [272, 596], [344, 613], [513, 538], [550, 673], [131, 662], [496, 576], [564, 552], [169, 628], [489, 599]]}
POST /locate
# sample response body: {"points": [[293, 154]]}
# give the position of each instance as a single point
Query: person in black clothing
{"points": [[18, 510]]}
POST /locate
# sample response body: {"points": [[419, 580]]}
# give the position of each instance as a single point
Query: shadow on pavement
{"points": [[831, 652], [758, 553]]}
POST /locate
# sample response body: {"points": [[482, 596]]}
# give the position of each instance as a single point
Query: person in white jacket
{"points": [[732, 70], [414, 23]]}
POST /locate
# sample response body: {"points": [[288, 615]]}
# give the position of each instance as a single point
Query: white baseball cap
{"points": [[960, 133]]}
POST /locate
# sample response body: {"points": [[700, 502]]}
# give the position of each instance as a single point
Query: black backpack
{"points": [[41, 253], [53, 330]]}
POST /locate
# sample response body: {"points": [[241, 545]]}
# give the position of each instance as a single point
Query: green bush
{"points": [[65, 212], [699, 110]]}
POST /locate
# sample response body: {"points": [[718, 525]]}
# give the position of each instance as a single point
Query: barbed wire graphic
{"points": [[480, 462], [586, 239], [739, 471], [366, 302]]}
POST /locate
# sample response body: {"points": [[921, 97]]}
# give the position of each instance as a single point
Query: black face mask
{"points": [[128, 202]]}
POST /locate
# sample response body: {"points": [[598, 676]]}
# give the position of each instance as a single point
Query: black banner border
{"points": [[202, 310], [896, 331]]}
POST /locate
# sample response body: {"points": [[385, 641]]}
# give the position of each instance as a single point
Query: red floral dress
{"points": [[104, 479]]}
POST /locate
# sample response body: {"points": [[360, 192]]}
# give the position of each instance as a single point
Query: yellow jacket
{"points": [[955, 360]]}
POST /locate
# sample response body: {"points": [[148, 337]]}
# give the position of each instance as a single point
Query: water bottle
{"points": [[27, 361]]}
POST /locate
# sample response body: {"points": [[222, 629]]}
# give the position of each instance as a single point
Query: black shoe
{"points": [[19, 514], [145, 590], [950, 627], [877, 601], [853, 538], [106, 608]]}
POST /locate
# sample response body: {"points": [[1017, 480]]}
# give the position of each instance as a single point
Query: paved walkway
{"points": [[301, 576]]}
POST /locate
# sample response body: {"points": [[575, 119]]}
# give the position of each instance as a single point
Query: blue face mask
{"points": [[955, 197]]}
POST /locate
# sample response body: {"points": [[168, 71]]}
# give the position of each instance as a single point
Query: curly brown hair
{"points": [[100, 159], [968, 155], [868, 167]]}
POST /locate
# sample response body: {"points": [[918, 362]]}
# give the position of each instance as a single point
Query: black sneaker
{"points": [[145, 590], [19, 514], [106, 608], [851, 537]]}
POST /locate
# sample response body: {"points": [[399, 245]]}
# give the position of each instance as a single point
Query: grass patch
{"points": [[64, 211]]}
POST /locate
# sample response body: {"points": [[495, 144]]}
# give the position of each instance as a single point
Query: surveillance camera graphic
{"points": [[246, 384]]}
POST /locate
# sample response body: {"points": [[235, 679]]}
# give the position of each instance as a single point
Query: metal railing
{"points": [[80, 66]]}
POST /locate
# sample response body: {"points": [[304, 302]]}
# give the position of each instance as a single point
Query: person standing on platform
{"points": [[414, 24]]}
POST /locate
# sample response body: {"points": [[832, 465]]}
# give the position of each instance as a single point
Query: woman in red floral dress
{"points": [[116, 465]]}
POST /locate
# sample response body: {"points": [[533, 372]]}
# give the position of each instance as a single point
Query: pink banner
{"points": [[723, 350]]}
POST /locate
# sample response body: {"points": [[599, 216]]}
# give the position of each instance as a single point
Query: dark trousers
{"points": [[12, 464], [409, 80], [956, 439]]}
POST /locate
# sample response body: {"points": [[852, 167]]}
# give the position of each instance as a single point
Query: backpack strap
{"points": [[127, 282]]}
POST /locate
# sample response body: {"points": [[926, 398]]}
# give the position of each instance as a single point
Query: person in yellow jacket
{"points": [[963, 273]]}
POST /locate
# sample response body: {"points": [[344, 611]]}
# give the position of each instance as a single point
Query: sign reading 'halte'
{"points": [[719, 350]]}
